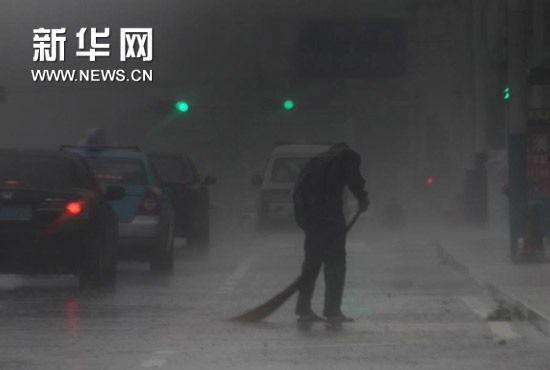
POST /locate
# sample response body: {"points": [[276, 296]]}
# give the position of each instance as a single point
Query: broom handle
{"points": [[355, 217]]}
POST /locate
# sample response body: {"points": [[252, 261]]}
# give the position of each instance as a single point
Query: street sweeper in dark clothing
{"points": [[318, 207]]}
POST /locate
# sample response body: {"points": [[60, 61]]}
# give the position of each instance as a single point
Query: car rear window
{"points": [[108, 170], [38, 171], [171, 169], [287, 169]]}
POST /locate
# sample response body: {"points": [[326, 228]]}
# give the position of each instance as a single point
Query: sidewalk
{"points": [[485, 258]]}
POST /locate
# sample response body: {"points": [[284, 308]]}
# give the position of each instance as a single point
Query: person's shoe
{"points": [[339, 318], [310, 317]]}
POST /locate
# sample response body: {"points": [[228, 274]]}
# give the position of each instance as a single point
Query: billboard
{"points": [[352, 48], [538, 153]]}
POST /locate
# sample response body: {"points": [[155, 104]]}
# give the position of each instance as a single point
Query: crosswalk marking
{"points": [[501, 330], [476, 305]]}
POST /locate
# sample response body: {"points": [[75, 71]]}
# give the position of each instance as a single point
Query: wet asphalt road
{"points": [[412, 312]]}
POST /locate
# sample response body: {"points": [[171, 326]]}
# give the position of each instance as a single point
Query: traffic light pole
{"points": [[517, 119]]}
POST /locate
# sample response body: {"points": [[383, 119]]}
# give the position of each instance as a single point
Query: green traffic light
{"points": [[182, 106], [506, 95], [288, 104]]}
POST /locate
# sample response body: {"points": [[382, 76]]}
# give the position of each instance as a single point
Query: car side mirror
{"points": [[114, 192], [209, 180], [256, 181]]}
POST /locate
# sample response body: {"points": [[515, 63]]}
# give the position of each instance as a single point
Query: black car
{"points": [[53, 217], [189, 196]]}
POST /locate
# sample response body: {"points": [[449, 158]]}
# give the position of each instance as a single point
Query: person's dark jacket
{"points": [[318, 192]]}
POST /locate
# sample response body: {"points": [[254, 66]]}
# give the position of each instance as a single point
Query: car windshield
{"points": [[287, 169], [41, 172], [171, 169], [110, 170]]}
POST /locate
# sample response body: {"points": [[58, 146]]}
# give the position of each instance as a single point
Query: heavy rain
{"points": [[256, 184]]}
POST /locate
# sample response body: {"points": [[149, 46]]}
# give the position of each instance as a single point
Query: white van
{"points": [[274, 203]]}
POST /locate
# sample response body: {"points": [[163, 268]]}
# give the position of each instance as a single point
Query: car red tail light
{"points": [[74, 208], [149, 205]]}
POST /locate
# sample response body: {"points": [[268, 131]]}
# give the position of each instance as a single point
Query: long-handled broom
{"points": [[267, 308]]}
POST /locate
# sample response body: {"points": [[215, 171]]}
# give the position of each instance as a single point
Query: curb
{"points": [[534, 317]]}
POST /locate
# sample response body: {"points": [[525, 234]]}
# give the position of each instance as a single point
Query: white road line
{"points": [[241, 271], [234, 279], [229, 285], [9, 282], [154, 362], [165, 352], [158, 362], [502, 331], [476, 305]]}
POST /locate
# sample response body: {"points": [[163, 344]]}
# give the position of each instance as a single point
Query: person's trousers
{"points": [[324, 245]]}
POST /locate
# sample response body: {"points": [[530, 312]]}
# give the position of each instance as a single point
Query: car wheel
{"points": [[162, 259], [93, 270], [199, 239], [199, 244], [111, 272]]}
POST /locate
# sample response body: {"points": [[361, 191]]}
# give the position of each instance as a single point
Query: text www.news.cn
{"points": [[91, 75]]}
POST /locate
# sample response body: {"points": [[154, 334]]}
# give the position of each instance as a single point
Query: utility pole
{"points": [[538, 53], [481, 60], [479, 205], [517, 120]]}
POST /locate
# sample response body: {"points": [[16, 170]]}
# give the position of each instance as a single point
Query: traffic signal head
{"points": [[506, 93], [288, 104], [182, 106]]}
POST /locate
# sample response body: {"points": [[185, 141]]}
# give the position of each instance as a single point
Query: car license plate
{"points": [[15, 212]]}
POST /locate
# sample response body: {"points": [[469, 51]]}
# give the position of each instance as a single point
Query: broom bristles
{"points": [[267, 308], [270, 306]]}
